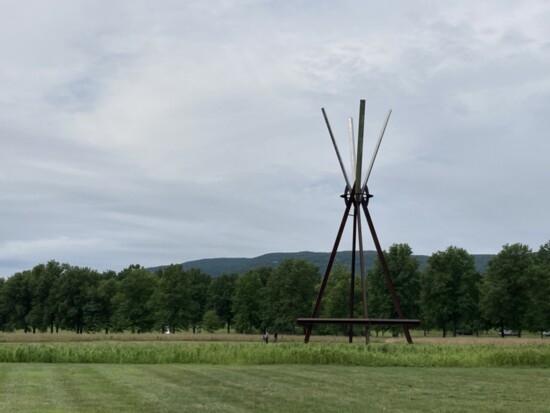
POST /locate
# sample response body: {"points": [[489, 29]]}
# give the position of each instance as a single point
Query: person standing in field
{"points": [[275, 338], [266, 337]]}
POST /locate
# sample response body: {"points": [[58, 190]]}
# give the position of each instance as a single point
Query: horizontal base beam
{"points": [[361, 321]]}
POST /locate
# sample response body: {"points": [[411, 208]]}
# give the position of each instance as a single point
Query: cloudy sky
{"points": [[162, 132]]}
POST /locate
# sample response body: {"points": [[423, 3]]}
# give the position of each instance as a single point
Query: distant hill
{"points": [[217, 266]]}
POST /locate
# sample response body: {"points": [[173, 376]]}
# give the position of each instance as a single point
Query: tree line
{"points": [[448, 295]]}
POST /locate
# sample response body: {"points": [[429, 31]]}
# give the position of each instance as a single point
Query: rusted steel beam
{"points": [[384, 265], [352, 281], [359, 321], [363, 277], [317, 308]]}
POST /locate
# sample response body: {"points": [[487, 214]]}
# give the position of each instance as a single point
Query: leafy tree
{"points": [[537, 312], [43, 278], [449, 296], [39, 290], [335, 303], [199, 283], [128, 271], [220, 297], [51, 305], [247, 302], [75, 287], [133, 303], [290, 293], [403, 268], [172, 299], [107, 288], [505, 289], [542, 257], [3, 309], [537, 317], [211, 321], [17, 301]]}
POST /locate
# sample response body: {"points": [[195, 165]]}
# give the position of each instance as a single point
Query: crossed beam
{"points": [[357, 196]]}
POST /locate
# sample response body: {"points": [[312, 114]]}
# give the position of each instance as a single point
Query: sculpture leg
{"points": [[363, 278], [384, 265], [317, 307]]}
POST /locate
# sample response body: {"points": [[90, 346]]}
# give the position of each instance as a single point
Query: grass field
{"points": [[37, 387], [157, 373], [216, 353], [419, 338]]}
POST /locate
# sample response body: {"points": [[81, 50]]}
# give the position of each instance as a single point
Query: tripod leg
{"points": [[317, 308], [384, 265], [352, 281], [363, 285]]}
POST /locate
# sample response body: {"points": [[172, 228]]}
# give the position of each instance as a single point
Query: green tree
{"points": [[247, 302], [537, 317], [75, 287], [290, 293], [537, 312], [449, 296], [107, 288], [172, 299], [403, 268], [42, 280], [133, 302], [199, 283], [54, 270], [17, 301], [542, 257], [128, 271], [220, 297], [211, 321], [505, 288], [335, 302], [3, 309]]}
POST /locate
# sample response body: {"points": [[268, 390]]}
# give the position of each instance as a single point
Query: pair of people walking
{"points": [[265, 337]]}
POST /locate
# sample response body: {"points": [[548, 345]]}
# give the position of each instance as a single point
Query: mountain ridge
{"points": [[217, 266]]}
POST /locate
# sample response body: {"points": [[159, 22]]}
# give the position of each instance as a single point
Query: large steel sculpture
{"points": [[356, 197]]}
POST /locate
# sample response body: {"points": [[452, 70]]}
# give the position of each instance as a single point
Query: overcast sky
{"points": [[162, 132]]}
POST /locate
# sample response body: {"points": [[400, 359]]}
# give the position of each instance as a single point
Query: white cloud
{"points": [[139, 132]]}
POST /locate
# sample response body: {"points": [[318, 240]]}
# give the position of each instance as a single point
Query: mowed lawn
{"points": [[40, 387]]}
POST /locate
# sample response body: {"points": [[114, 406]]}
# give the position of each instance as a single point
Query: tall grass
{"points": [[530, 355]]}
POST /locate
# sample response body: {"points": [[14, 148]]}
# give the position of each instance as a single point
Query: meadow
{"points": [[38, 387], [157, 373], [228, 353]]}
